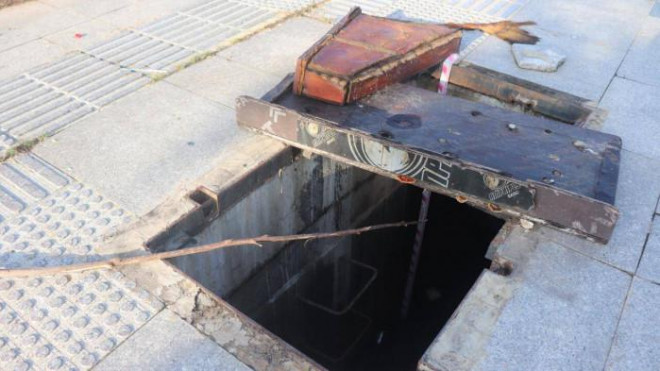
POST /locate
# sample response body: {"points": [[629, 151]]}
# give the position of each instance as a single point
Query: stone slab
{"points": [[31, 20], [169, 343], [642, 63], [22, 58], [222, 81], [89, 8], [275, 51], [649, 265], [635, 346], [593, 52], [561, 317], [84, 35], [142, 147], [637, 193], [633, 115]]}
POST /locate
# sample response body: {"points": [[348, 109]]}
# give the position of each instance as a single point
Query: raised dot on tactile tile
{"points": [[88, 359], [56, 363], [93, 214], [91, 277], [49, 202], [23, 366], [128, 306], [47, 243], [73, 201], [35, 211], [143, 316], [99, 308], [116, 296], [103, 222], [93, 334], [64, 233], [59, 251], [68, 216], [39, 314], [87, 192], [81, 322], [75, 347], [27, 304], [11, 238], [112, 319], [69, 311], [18, 221], [43, 351], [4, 229], [30, 339], [54, 226], [51, 325], [18, 328], [79, 224], [43, 218], [125, 330], [107, 345], [6, 284], [74, 289], [46, 291], [37, 235], [63, 279], [8, 354], [96, 198], [58, 209], [16, 294], [3, 342], [103, 286], [87, 299], [57, 301], [82, 207], [20, 246], [89, 231], [63, 336], [7, 318], [117, 212]]}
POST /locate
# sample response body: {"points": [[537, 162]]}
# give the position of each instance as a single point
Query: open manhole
{"points": [[339, 300]]}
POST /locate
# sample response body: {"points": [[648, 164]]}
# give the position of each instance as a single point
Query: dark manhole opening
{"points": [[344, 311]]}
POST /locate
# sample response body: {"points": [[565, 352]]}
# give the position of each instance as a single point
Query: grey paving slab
{"points": [[31, 20], [222, 81], [637, 193], [635, 346], [89, 8], [642, 63], [137, 153], [275, 50], [593, 52], [649, 265], [562, 317], [633, 115], [84, 35], [169, 343], [17, 60]]}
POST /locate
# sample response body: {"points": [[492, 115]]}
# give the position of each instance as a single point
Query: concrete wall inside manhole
{"points": [[339, 300]]}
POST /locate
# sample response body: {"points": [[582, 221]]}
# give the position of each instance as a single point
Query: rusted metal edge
{"points": [[307, 56], [537, 98], [518, 198]]}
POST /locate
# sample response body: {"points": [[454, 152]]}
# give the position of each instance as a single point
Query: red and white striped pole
{"points": [[424, 207]]}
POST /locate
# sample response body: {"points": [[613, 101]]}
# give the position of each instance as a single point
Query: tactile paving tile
{"points": [[29, 108], [24, 180], [286, 5], [60, 229], [69, 320], [66, 320], [89, 79], [142, 53], [493, 8]]}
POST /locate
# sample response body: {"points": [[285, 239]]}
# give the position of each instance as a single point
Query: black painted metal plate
{"points": [[501, 160]]}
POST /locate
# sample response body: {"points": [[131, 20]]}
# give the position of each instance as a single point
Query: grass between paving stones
{"points": [[22, 147]]}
